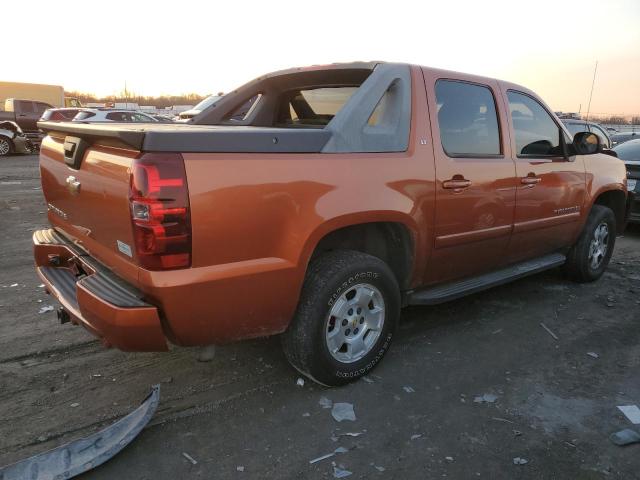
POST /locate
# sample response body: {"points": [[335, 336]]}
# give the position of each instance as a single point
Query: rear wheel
{"points": [[6, 146], [346, 317], [588, 258]]}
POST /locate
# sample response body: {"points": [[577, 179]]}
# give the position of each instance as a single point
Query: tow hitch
{"points": [[86, 453]]}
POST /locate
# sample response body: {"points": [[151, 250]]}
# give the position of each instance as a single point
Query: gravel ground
{"points": [[242, 415]]}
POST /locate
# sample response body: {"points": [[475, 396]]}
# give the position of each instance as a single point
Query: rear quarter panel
{"points": [[256, 219]]}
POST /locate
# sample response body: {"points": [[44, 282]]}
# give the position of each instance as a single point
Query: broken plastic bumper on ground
{"points": [[86, 453], [92, 296]]}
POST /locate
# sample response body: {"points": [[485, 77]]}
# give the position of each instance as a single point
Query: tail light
{"points": [[159, 202]]}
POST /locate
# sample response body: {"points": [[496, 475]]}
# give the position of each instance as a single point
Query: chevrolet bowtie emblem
{"points": [[73, 185]]}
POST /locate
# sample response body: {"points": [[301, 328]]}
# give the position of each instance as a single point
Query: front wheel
{"points": [[588, 258], [6, 146], [346, 317]]}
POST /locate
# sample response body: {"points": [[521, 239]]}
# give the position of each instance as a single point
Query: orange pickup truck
{"points": [[316, 203]]}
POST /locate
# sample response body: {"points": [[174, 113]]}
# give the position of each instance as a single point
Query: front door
{"points": [[551, 188], [475, 178]]}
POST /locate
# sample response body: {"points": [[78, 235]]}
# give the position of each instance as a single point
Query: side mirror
{"points": [[586, 143]]}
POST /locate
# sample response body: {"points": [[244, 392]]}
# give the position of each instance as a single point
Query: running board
{"points": [[451, 291]]}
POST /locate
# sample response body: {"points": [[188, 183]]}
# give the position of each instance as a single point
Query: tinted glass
{"points": [[467, 119], [313, 107], [604, 139], [243, 111], [629, 150], [206, 102], [118, 116], [84, 115], [41, 107], [536, 132], [25, 107]]}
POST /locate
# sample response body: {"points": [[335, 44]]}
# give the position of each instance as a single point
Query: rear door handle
{"points": [[531, 181], [456, 183]]}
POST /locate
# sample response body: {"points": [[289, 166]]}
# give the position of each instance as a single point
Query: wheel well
{"points": [[615, 200], [391, 242]]}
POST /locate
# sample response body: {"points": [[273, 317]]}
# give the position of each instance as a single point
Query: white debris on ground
{"points": [[408, 389], [329, 455], [449, 459], [486, 398], [632, 412], [416, 436], [520, 461], [74, 405], [300, 382], [190, 458], [46, 309], [240, 468], [593, 354], [343, 411], [340, 471], [325, 402], [367, 379]]}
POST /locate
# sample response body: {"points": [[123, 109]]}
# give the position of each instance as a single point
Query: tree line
{"points": [[161, 101]]}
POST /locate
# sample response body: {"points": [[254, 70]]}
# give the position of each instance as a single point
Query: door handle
{"points": [[531, 181], [456, 183]]}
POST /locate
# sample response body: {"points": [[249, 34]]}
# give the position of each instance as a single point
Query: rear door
{"points": [[475, 177], [551, 188], [26, 114]]}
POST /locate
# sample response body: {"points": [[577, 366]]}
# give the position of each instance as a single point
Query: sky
{"points": [[174, 47]]}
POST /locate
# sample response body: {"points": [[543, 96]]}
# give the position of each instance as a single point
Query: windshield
{"points": [[206, 102]]}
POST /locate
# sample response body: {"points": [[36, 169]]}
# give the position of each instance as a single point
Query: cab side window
{"points": [[536, 133], [467, 119]]}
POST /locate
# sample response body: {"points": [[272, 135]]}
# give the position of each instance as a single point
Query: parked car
{"points": [[575, 126], [629, 153], [618, 138], [189, 114], [59, 114], [95, 115], [161, 117], [13, 139], [337, 198]]}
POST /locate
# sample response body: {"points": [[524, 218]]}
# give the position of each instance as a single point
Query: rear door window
{"points": [[25, 106], [536, 133], [467, 119]]}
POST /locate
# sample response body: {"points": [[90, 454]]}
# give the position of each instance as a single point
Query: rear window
{"points": [[84, 115], [313, 107]]}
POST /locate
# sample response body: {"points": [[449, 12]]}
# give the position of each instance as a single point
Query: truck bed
{"points": [[187, 138]]}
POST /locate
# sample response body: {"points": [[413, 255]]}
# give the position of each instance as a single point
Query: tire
{"points": [[588, 258], [338, 284], [6, 146]]}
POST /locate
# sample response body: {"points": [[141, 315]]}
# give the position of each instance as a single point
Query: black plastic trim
{"points": [[461, 288]]}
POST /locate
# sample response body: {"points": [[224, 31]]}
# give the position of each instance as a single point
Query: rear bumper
{"points": [[103, 303]]}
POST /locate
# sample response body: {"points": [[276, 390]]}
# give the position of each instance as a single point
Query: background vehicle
{"points": [[316, 202], [629, 153], [575, 126], [26, 114], [13, 140], [59, 114], [112, 115], [189, 114], [618, 138], [37, 92]]}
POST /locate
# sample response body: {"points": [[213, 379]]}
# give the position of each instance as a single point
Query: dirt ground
{"points": [[243, 416]]}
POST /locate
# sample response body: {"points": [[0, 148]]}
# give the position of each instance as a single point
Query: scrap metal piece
{"points": [[86, 453]]}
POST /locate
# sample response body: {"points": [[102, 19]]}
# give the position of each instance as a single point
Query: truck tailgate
{"points": [[90, 203]]}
